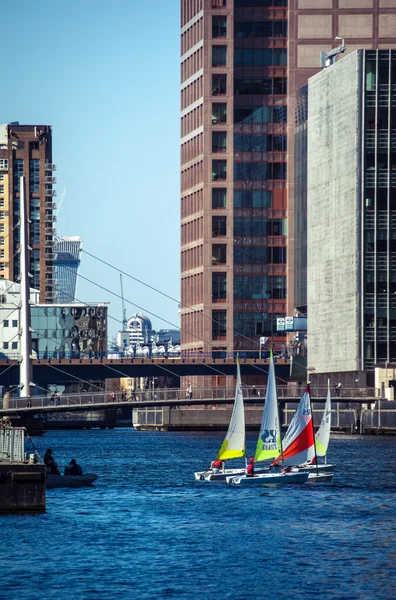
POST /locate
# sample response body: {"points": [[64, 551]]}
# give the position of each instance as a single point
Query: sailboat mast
{"points": [[313, 428]]}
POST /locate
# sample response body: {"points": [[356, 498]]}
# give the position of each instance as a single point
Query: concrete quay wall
{"points": [[381, 419]]}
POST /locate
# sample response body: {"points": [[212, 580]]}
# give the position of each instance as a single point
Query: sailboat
{"points": [[322, 438], [269, 444], [234, 445], [300, 445]]}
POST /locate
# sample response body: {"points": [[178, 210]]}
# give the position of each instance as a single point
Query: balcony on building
{"points": [[50, 192], [49, 179], [50, 166]]}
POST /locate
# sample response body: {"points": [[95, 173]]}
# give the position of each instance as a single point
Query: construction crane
{"points": [[124, 319]]}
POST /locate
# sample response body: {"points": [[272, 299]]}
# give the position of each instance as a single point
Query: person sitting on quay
{"points": [[73, 468], [217, 465], [250, 468]]}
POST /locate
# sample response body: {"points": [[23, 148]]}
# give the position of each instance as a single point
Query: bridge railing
{"points": [[172, 394]]}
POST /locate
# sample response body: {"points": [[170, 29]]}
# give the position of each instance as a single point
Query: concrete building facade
{"points": [[26, 150], [351, 244], [313, 26]]}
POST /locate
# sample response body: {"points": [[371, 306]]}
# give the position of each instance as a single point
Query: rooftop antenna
{"points": [[124, 319], [328, 58]]}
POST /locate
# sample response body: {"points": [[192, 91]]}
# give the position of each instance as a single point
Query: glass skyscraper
{"points": [[66, 263]]}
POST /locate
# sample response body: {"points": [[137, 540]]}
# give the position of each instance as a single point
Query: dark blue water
{"points": [[147, 530]]}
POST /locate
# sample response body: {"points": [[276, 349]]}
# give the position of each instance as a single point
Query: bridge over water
{"points": [[58, 371]]}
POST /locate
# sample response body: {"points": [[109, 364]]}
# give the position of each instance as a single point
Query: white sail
{"points": [[269, 440], [298, 443], [322, 436], [234, 442]]}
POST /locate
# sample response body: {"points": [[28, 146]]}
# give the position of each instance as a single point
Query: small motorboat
{"points": [[70, 481]]}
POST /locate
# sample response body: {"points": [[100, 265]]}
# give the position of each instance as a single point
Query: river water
{"points": [[147, 530]]}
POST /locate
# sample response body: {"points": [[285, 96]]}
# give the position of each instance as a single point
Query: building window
{"points": [[219, 141], [219, 324], [219, 287], [219, 254], [219, 56], [219, 3], [1, 176], [219, 27], [1, 189], [5, 345], [18, 173], [35, 176], [219, 85], [14, 323], [6, 323], [219, 170], [219, 113], [219, 197], [2, 266], [14, 345], [219, 226], [1, 227], [1, 202], [2, 214], [1, 241], [4, 163], [2, 253]]}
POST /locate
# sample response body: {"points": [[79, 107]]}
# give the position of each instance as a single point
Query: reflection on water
{"points": [[148, 530]]}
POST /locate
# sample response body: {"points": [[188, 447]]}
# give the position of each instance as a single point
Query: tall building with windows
{"points": [[26, 150], [233, 173], [314, 26], [66, 263], [351, 182]]}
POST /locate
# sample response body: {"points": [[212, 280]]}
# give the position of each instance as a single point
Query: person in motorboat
{"points": [[50, 463], [250, 468], [217, 465], [74, 468]]}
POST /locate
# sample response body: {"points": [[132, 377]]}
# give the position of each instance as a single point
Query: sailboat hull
{"points": [[209, 476], [320, 477], [320, 468], [269, 478]]}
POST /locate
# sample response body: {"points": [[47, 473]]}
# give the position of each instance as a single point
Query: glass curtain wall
{"points": [[379, 208], [260, 59]]}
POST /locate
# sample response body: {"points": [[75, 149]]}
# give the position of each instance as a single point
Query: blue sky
{"points": [[106, 77]]}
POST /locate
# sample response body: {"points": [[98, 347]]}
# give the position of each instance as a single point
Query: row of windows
{"points": [[249, 171], [259, 227], [260, 86], [6, 323], [255, 324], [260, 57], [260, 114], [259, 3], [14, 345], [242, 198], [4, 163], [256, 255], [260, 143], [258, 287], [249, 57], [249, 142], [260, 29]]}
